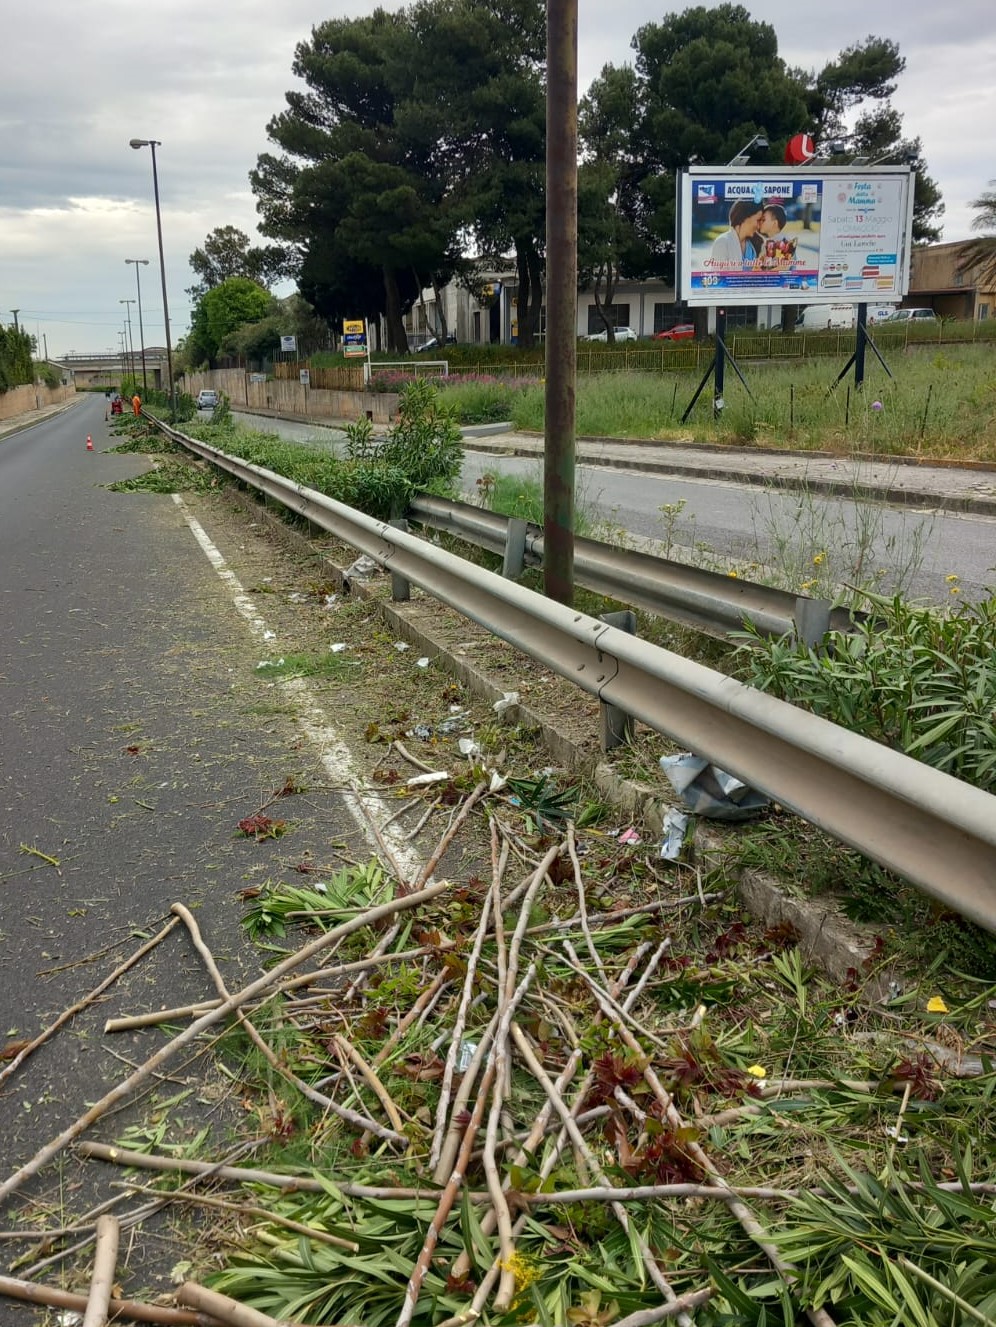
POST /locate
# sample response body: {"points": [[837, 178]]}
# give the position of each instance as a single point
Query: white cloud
{"points": [[79, 82]]}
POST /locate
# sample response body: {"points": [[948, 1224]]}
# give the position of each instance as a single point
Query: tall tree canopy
{"points": [[419, 136], [353, 189], [420, 130], [228, 252], [705, 81]]}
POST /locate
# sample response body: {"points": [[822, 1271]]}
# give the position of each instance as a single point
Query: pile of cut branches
{"points": [[579, 1092]]}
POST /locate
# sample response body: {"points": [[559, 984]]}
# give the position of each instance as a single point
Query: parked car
{"points": [[622, 334], [828, 317], [680, 332], [416, 346], [207, 399], [914, 316]]}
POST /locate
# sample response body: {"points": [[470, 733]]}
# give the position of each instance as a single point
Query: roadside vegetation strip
{"points": [[965, 943]]}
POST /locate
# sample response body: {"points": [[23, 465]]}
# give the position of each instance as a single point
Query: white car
{"points": [[622, 334], [207, 399], [914, 316]]}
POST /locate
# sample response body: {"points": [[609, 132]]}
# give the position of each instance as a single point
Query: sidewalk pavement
{"points": [[961, 486], [20, 422]]}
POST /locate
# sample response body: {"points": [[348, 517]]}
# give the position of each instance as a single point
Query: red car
{"points": [[680, 332]]}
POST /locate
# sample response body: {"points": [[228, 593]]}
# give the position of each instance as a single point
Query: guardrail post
{"points": [[615, 725], [401, 587], [514, 560], [812, 620]]}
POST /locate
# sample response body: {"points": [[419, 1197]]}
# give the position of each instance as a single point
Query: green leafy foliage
{"points": [[343, 895], [221, 311], [425, 444], [15, 359], [911, 677]]}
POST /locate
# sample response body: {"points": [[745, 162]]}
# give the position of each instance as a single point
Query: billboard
{"points": [[782, 235], [354, 338], [288, 343]]}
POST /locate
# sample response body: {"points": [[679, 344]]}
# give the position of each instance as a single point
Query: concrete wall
{"points": [[20, 400], [283, 396]]}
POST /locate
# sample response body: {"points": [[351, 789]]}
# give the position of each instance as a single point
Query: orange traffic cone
{"points": [[89, 443]]}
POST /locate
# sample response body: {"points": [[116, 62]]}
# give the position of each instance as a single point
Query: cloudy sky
{"points": [[78, 80]]}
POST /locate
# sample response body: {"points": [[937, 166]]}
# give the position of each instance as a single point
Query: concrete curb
{"points": [[975, 506]]}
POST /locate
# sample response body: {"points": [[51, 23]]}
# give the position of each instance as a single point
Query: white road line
{"points": [[313, 721]]}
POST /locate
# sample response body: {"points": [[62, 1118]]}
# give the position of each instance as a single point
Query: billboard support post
{"points": [[719, 376], [717, 371], [860, 338], [861, 342]]}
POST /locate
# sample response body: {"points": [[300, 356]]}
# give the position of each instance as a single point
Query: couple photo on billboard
{"points": [[762, 234]]}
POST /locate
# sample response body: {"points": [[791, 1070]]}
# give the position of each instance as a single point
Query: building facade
{"points": [[936, 283]]}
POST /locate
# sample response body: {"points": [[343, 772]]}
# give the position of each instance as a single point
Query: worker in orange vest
{"points": [[136, 404]]}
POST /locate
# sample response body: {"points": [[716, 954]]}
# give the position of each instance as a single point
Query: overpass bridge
{"points": [[107, 370]]}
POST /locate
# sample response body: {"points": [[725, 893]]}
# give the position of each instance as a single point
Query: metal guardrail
{"points": [[706, 600], [933, 829]]}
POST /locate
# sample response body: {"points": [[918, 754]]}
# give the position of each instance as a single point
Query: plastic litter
{"points": [[401, 646], [709, 791], [330, 601], [270, 663], [423, 662], [360, 570], [424, 780], [455, 724], [422, 731], [630, 837], [338, 647], [465, 1055], [675, 828], [468, 747], [269, 635], [507, 701]]}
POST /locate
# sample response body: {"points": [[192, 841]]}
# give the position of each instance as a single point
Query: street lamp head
{"points": [[140, 142], [761, 141], [143, 261]]}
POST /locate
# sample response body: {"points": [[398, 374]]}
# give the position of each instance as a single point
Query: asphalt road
{"points": [[917, 549], [131, 744]]}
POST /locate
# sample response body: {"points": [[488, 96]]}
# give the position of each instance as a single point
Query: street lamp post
{"points": [[140, 262], [15, 312], [152, 144], [131, 342]]}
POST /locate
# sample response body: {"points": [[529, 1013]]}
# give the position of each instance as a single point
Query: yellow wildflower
{"points": [[819, 559], [935, 1005], [952, 578], [525, 1270], [757, 1070], [734, 574]]}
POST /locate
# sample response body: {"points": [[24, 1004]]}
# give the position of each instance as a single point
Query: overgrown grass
{"points": [[521, 496], [940, 403]]}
